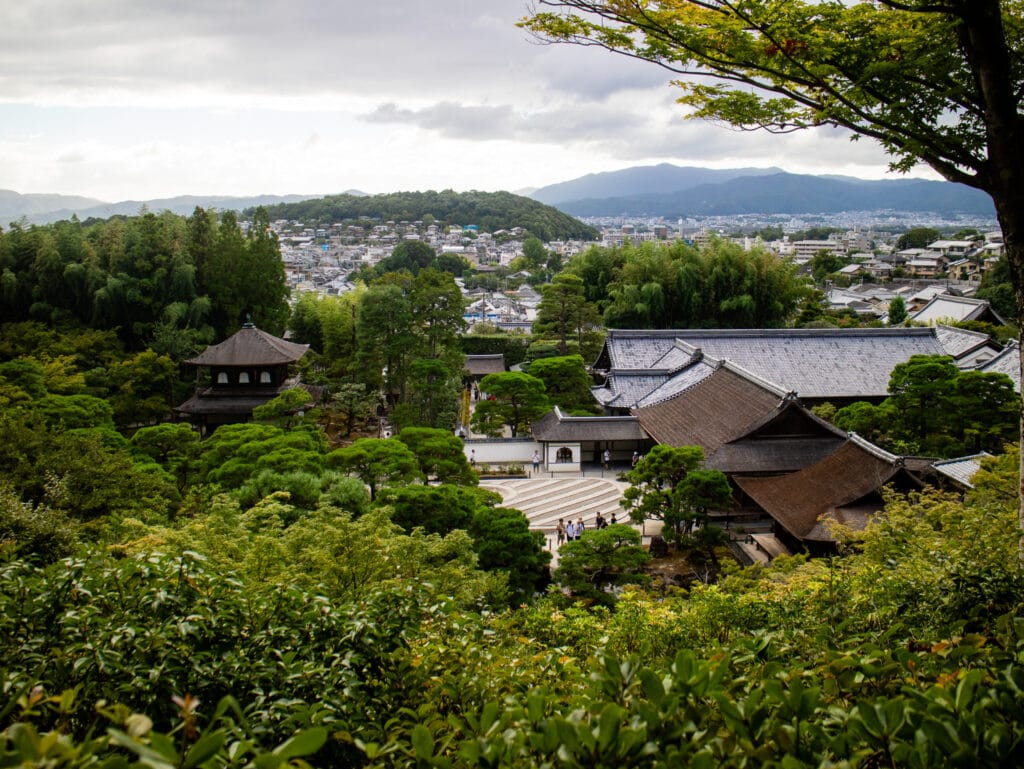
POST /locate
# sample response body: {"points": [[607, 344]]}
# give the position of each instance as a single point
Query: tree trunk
{"points": [[983, 39]]}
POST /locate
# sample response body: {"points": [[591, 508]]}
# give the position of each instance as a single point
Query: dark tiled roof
{"points": [[717, 409], [250, 347], [556, 427], [842, 486], [959, 341], [771, 455], [481, 365], [786, 440], [203, 403]]}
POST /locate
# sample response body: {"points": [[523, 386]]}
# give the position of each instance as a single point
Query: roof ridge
{"points": [[766, 384], [874, 450]]}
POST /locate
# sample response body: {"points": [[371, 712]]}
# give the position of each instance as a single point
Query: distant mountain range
{"points": [[662, 190], [42, 209], [679, 191]]}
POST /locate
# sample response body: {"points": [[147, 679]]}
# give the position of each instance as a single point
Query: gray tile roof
{"points": [[680, 382], [816, 363], [949, 307], [556, 427], [625, 390], [962, 469], [958, 341], [481, 365], [1007, 362]]}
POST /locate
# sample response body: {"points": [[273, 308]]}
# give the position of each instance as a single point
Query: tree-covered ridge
{"points": [[491, 211]]}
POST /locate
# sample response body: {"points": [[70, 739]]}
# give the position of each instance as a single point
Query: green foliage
{"points": [[376, 462], [825, 263], [519, 400], [156, 279], [722, 286], [564, 313], [668, 485], [512, 346], [934, 408], [411, 255], [440, 455], [566, 381], [599, 560], [173, 446], [284, 409], [502, 540], [492, 211], [997, 287], [917, 237], [897, 311], [34, 533]]}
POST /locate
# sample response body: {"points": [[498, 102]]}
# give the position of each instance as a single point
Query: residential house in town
{"points": [[948, 308]]}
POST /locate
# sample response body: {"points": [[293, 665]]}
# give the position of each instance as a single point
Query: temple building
{"points": [[246, 370]]}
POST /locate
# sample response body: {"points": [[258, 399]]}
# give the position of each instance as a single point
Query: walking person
{"points": [[636, 457], [536, 461], [570, 531], [472, 457], [560, 533], [607, 459], [580, 527]]}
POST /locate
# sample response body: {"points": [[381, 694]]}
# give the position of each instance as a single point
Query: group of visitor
{"points": [[573, 530]]}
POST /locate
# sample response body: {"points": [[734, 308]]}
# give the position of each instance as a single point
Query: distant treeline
{"points": [[491, 211]]}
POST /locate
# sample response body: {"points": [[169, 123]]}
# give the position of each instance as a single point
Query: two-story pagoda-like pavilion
{"points": [[246, 370]]}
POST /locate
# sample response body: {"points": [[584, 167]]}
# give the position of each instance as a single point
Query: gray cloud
{"points": [[470, 47], [569, 123]]}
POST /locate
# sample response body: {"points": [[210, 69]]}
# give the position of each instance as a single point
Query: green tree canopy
{"points": [[668, 485], [376, 462], [440, 454], [602, 558], [917, 237], [566, 382], [897, 311], [514, 399]]}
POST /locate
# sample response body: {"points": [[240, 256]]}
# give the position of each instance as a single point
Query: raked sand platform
{"points": [[544, 501]]}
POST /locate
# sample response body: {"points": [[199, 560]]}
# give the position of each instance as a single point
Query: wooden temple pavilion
{"points": [[246, 370]]}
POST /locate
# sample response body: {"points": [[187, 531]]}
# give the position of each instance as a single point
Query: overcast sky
{"points": [[140, 99]]}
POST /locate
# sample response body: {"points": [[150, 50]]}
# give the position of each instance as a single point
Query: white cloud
{"points": [[142, 98]]}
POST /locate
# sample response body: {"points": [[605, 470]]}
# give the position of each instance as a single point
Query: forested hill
{"points": [[490, 211]]}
